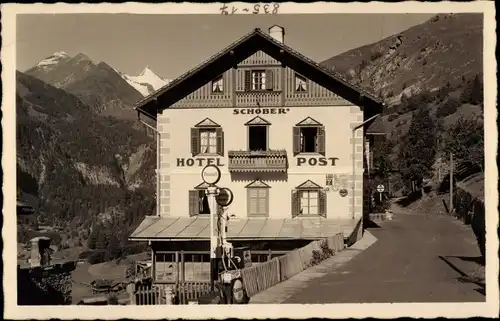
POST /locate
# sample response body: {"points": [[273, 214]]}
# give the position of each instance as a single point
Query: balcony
{"points": [[258, 161]]}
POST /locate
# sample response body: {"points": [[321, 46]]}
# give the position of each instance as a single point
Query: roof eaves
{"points": [[335, 76], [194, 70]]}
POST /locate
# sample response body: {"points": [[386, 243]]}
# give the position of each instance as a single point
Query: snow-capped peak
{"points": [[146, 82], [53, 59]]}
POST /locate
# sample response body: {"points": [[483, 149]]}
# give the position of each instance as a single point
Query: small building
{"points": [[289, 136]]}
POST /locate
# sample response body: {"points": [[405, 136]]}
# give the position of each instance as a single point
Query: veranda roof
{"points": [[198, 228]]}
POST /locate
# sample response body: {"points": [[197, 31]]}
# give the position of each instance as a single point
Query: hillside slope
{"points": [[77, 167], [424, 57], [97, 85]]}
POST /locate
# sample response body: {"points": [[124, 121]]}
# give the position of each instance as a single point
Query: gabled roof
{"points": [[239, 51]]}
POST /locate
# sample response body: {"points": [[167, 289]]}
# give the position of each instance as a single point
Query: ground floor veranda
{"points": [[180, 245]]}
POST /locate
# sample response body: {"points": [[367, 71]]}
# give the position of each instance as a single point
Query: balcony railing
{"points": [[258, 161]]}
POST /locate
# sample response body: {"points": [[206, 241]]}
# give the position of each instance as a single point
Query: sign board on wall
{"points": [[260, 111], [317, 161], [199, 161]]}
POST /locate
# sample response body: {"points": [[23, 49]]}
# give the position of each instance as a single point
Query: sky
{"points": [[172, 44]]}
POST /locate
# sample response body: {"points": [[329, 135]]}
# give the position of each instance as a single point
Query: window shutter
{"points": [[295, 203], [322, 203], [266, 201], [252, 201], [269, 79], [220, 141], [194, 204], [296, 140], [195, 141], [248, 80], [262, 201], [321, 140]]}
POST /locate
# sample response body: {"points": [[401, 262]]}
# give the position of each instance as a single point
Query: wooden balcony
{"points": [[258, 161]]}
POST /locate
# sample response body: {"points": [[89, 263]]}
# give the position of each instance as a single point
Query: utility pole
{"points": [[451, 182]]}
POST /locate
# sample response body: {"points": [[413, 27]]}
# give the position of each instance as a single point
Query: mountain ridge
{"points": [[445, 48]]}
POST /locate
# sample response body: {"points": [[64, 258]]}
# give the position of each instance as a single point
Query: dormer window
{"points": [[300, 83], [257, 80], [218, 85]]}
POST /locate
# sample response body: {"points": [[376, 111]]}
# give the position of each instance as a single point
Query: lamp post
{"points": [[211, 175]]}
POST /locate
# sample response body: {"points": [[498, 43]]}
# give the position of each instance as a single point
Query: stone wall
{"points": [[47, 285]]}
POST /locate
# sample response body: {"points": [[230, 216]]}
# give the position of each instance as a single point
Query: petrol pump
{"points": [[226, 261]]}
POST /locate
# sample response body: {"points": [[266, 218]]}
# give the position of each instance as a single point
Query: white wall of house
{"points": [[341, 143]]}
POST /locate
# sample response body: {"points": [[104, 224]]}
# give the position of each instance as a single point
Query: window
{"points": [[308, 199], [309, 137], [258, 129], [309, 202], [258, 199], [256, 80], [218, 85], [208, 141], [300, 83], [207, 138]]}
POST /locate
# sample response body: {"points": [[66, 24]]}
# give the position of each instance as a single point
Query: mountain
{"points": [[97, 85], [437, 65], [444, 49], [77, 167], [49, 63], [146, 82]]}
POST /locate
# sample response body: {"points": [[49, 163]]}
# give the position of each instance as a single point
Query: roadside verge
{"points": [[286, 289]]}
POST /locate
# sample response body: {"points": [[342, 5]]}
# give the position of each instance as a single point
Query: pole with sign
{"points": [[211, 175], [380, 190]]}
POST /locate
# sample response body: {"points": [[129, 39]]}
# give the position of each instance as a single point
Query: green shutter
{"points": [[195, 141], [220, 141], [296, 140], [320, 147], [248, 80], [322, 203], [194, 202], [269, 79]]}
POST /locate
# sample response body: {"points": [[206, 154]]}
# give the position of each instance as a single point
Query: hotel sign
{"points": [[317, 161], [205, 161], [260, 111]]}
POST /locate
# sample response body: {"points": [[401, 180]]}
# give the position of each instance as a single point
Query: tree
{"points": [[418, 149], [381, 156], [472, 92], [465, 139]]}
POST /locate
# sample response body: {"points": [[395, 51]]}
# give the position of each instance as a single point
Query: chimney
{"points": [[278, 33]]}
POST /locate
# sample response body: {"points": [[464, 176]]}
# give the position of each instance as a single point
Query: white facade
{"points": [[181, 172]]}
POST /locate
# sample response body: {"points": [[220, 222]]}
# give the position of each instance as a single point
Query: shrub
{"points": [[393, 117], [97, 257], [112, 299], [449, 107], [319, 256]]}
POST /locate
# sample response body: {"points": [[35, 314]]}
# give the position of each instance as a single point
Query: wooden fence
{"points": [[260, 277], [156, 294]]}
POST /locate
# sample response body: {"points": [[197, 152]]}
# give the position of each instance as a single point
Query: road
{"points": [[417, 258]]}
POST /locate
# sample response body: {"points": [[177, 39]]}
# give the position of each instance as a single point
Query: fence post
{"points": [[131, 292], [279, 268]]}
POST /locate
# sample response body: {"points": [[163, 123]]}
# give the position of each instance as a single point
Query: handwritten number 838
{"points": [[266, 8]]}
